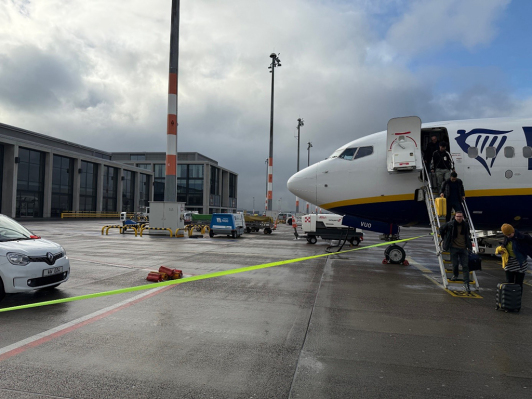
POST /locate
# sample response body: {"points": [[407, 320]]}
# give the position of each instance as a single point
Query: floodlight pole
{"points": [[276, 62], [308, 164], [300, 123]]}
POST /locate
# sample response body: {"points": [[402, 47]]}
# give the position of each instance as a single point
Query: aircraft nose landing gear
{"points": [[395, 254]]}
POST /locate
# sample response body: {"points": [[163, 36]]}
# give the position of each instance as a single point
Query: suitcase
{"points": [[475, 262], [441, 206], [508, 297]]}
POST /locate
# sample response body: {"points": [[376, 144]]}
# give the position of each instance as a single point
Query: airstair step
{"points": [[460, 281], [451, 272]]}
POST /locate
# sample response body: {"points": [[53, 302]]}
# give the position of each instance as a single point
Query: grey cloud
{"points": [[33, 79], [108, 87]]}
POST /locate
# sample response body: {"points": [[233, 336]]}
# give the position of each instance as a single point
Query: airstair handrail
{"points": [[471, 227]]}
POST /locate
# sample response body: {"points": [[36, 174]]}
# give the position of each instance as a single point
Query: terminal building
{"points": [[41, 176], [202, 184]]}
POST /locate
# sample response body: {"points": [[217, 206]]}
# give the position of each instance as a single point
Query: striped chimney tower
{"points": [[170, 181]]}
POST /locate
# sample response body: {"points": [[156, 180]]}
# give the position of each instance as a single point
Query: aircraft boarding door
{"points": [[403, 143]]}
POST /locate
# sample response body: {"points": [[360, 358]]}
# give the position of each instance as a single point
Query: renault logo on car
{"points": [[50, 257]]}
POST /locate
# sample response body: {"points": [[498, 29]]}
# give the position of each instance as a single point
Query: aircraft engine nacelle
{"points": [[403, 144]]}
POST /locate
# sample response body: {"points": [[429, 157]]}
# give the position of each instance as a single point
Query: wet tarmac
{"points": [[344, 326]]}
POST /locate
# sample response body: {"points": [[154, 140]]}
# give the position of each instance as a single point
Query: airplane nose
{"points": [[303, 184]]}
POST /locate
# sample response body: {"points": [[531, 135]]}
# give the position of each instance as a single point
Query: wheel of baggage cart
{"points": [[211, 234], [233, 234], [267, 230], [395, 254], [248, 230], [312, 239], [354, 241]]}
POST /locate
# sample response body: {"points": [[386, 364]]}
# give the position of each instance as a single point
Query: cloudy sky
{"points": [[96, 73]]}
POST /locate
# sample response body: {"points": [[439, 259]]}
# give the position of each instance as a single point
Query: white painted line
{"points": [[46, 336]]}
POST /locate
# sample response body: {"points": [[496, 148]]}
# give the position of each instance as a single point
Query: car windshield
{"points": [[11, 230]]}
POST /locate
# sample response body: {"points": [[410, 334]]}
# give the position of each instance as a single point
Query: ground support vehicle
{"points": [[328, 227], [198, 221], [230, 224], [256, 223], [138, 220], [28, 262]]}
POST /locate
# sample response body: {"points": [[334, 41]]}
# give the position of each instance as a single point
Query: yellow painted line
{"points": [[455, 293], [200, 277], [527, 283], [418, 265], [464, 294]]}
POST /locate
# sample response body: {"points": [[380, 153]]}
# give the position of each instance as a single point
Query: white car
{"points": [[28, 262]]}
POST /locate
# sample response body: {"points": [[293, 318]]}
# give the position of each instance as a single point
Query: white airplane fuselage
{"points": [[497, 178]]}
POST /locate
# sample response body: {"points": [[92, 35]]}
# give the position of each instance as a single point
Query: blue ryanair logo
{"points": [[482, 139]]}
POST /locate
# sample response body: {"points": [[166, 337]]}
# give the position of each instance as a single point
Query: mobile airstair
{"points": [[403, 150], [444, 257]]}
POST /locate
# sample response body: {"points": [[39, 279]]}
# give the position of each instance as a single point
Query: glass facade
{"points": [[87, 186], [214, 198], [30, 183], [128, 191], [159, 173], [1, 171], [62, 185], [110, 182], [137, 157], [144, 190], [146, 166], [190, 185], [232, 190]]}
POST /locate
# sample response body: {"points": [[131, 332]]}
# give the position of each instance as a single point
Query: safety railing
{"points": [[434, 222], [91, 214]]}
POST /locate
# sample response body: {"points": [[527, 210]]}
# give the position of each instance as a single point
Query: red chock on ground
{"points": [[173, 274], [157, 277]]}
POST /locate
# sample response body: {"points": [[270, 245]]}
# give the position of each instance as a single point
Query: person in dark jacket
{"points": [[431, 147], [519, 246], [457, 240], [453, 191], [442, 164]]}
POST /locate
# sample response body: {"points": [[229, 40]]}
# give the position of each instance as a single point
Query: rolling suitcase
{"points": [[475, 262], [509, 297], [441, 206]]}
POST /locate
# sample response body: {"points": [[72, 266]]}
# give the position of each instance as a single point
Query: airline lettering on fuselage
{"points": [[481, 139]]}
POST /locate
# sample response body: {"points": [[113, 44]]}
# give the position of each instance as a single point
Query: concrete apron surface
{"points": [[345, 326]]}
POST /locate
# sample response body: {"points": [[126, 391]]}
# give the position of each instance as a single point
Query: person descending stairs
{"points": [[437, 214]]}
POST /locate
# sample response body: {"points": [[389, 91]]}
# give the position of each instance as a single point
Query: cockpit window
{"points": [[352, 153], [337, 153], [348, 154], [364, 152]]}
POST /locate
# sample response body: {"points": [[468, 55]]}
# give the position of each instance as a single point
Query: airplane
{"points": [[375, 179]]}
